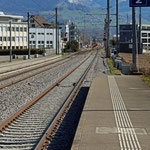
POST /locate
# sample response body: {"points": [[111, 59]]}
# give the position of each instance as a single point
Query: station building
{"points": [[19, 32]]}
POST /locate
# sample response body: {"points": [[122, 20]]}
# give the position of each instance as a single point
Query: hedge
{"points": [[21, 51]]}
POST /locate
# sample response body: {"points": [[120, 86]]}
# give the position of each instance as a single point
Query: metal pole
{"points": [[84, 31], [10, 42], [108, 22], [58, 39], [140, 24], [117, 41], [56, 33], [134, 39], [127, 18], [28, 35]]}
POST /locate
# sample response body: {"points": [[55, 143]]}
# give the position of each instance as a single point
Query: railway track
{"points": [[39, 69], [28, 69], [39, 119]]}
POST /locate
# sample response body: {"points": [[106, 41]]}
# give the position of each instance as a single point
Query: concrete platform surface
{"points": [[116, 115]]}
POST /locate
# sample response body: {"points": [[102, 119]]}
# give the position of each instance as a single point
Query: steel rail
{"points": [[29, 76], [32, 69], [41, 66], [17, 114], [49, 134]]}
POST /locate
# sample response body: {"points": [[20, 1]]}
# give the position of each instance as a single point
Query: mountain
{"points": [[21, 7], [87, 14]]}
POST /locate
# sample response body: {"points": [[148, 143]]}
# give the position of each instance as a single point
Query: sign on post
{"points": [[139, 3]]}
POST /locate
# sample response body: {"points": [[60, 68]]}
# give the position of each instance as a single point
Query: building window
{"points": [[17, 29], [25, 29], [4, 28], [39, 33], [31, 21], [47, 33], [42, 42], [21, 29], [148, 34], [148, 40], [144, 34], [13, 38], [39, 42], [8, 29], [0, 28], [51, 42], [4, 39], [13, 28], [51, 33], [33, 25], [144, 40], [47, 42], [17, 39], [33, 42], [25, 39], [0, 38]]}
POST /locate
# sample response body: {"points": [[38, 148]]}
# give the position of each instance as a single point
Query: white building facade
{"points": [[64, 32], [19, 32], [44, 38], [145, 36]]}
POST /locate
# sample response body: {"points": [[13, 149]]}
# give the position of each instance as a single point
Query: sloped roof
{"points": [[43, 23]]}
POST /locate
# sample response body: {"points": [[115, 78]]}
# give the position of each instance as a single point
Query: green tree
{"points": [[72, 46]]}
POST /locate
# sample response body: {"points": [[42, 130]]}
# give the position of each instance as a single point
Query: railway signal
{"points": [[105, 38]]}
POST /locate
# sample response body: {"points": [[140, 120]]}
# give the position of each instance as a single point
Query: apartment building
{"points": [[19, 32], [64, 27], [145, 36], [43, 34], [126, 38], [74, 32]]}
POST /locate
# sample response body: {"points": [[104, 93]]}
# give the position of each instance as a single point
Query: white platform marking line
{"points": [[127, 135], [118, 123], [125, 126]]}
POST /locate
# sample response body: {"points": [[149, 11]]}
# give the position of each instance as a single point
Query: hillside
{"points": [[88, 15]]}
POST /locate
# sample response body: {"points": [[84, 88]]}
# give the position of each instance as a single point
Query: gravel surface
{"points": [[32, 120], [65, 134], [14, 97], [28, 73]]}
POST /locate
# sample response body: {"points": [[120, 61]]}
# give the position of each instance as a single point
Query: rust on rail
{"points": [[51, 129], [16, 115]]}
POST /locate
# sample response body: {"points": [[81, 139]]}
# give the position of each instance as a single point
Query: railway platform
{"points": [[116, 115]]}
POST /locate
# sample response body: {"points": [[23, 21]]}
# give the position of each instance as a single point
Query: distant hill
{"points": [[21, 7], [86, 13]]}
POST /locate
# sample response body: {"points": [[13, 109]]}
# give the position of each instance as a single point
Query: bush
{"points": [[72, 46], [21, 51]]}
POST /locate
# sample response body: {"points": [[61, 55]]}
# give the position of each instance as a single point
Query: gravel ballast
{"points": [[14, 97]]}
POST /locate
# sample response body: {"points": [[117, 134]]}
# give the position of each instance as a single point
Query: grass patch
{"points": [[113, 70], [146, 79]]}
